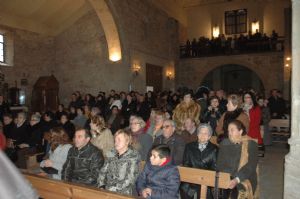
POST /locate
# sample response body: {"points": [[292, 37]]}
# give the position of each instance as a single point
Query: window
{"points": [[1, 48], [6, 48], [235, 21]]}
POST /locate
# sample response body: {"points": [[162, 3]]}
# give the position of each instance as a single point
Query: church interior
{"points": [[50, 49]]}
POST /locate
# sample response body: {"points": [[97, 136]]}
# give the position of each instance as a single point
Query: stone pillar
{"points": [[292, 159]]}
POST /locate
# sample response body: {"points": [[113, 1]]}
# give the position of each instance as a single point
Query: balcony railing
{"points": [[212, 48]]}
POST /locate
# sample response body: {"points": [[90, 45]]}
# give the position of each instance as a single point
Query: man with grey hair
{"points": [[173, 140], [200, 154]]}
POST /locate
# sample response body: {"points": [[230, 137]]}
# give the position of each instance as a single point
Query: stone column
{"points": [[292, 159]]}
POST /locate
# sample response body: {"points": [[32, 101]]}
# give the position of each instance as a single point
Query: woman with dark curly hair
{"points": [[60, 145]]}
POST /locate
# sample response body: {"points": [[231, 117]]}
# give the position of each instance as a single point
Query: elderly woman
{"points": [[238, 156], [201, 154], [120, 172], [102, 137], [60, 145], [141, 141], [234, 112], [155, 128]]}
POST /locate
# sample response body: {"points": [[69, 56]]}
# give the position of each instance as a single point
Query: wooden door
{"points": [[154, 75]]}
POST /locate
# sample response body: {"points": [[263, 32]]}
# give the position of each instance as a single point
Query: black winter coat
{"points": [[83, 165], [194, 158]]}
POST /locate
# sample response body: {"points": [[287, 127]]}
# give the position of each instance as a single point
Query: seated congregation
{"points": [[103, 142]]}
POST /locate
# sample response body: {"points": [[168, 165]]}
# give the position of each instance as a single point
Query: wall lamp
{"points": [[136, 69], [216, 31], [169, 75], [255, 26]]}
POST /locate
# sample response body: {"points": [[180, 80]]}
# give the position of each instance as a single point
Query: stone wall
{"points": [[268, 67], [34, 56], [148, 35], [82, 58]]}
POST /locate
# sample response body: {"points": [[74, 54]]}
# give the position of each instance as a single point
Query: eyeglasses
{"points": [[134, 123], [165, 126]]}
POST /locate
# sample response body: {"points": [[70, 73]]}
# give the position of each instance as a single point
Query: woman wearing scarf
{"points": [[238, 156], [234, 112], [141, 141]]}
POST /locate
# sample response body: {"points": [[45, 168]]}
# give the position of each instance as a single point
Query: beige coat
{"points": [[243, 117], [104, 141]]}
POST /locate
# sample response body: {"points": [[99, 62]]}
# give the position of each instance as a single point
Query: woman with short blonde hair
{"points": [[120, 171]]}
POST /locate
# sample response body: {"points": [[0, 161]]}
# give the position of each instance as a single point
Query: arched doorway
{"points": [[232, 77]]}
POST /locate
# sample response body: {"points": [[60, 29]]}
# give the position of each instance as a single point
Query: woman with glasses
{"points": [[141, 141]]}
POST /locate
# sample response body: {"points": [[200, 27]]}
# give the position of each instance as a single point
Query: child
{"points": [[160, 179]]}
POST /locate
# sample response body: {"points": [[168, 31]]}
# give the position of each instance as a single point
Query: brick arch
{"points": [[110, 28]]}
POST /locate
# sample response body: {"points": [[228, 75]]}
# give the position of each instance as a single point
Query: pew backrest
{"points": [[48, 188], [54, 189]]}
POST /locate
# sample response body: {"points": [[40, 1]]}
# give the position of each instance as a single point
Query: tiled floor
{"points": [[271, 172]]}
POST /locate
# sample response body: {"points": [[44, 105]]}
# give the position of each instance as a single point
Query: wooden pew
{"points": [[53, 189], [205, 178], [202, 177], [280, 129]]}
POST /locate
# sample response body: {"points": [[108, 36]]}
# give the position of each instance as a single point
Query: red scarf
{"points": [[166, 162]]}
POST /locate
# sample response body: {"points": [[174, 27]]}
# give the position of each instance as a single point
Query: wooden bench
{"points": [[50, 189], [54, 189], [280, 129]]}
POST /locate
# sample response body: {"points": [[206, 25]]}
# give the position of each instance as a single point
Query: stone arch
{"points": [[268, 68], [216, 78], [245, 64], [110, 28]]}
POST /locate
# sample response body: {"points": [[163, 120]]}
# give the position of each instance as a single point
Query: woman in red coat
{"points": [[2, 141], [252, 109]]}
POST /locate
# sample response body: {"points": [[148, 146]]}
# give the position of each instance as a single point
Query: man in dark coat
{"points": [[173, 140], [4, 107], [8, 124], [84, 160]]}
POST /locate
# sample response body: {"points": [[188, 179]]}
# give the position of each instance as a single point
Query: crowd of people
{"points": [[101, 141], [221, 45]]}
